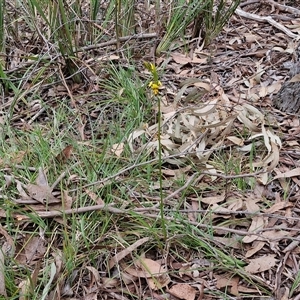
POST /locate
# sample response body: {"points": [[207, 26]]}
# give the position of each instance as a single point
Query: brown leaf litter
{"points": [[216, 110]]}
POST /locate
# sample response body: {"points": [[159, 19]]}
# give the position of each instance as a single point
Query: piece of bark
{"points": [[288, 97]]}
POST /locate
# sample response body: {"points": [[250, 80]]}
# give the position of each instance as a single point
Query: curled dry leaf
{"points": [[64, 155], [252, 205], [155, 273], [256, 224], [8, 180], [21, 191], [34, 248], [117, 149], [256, 246], [24, 288], [109, 282], [95, 276], [132, 271], [42, 180], [150, 267], [236, 140], [67, 200], [225, 281], [278, 206], [91, 296], [276, 235]]}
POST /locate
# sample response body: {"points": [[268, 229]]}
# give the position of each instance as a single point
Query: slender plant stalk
{"points": [[2, 48], [161, 196], [155, 84], [117, 22], [2, 32]]}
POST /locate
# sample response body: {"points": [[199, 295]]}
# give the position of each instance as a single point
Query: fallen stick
{"points": [[110, 208], [285, 8], [268, 19]]}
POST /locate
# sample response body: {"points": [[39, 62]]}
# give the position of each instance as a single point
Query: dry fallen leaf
{"points": [[34, 248], [278, 206], [213, 199], [94, 197], [24, 289], [27, 286], [236, 140], [67, 200], [184, 59], [150, 267], [256, 224], [64, 155], [41, 191], [117, 149], [42, 194], [225, 281], [115, 259], [183, 291], [261, 264], [155, 273], [133, 270], [288, 174], [255, 247], [91, 296], [21, 191], [95, 276]]}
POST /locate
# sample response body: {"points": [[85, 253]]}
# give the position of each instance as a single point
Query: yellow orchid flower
{"points": [[155, 84]]}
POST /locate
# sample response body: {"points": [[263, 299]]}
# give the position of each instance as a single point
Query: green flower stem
{"points": [[161, 196]]}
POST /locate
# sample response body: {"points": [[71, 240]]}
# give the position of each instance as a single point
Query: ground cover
{"points": [[174, 179]]}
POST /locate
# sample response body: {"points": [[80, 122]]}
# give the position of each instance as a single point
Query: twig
{"points": [[165, 158], [61, 176], [233, 176], [166, 200], [291, 246], [220, 213], [110, 208], [72, 100], [90, 47], [99, 182], [249, 2], [285, 8], [115, 41], [268, 19], [36, 115]]}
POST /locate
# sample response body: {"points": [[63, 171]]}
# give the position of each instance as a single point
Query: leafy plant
{"points": [[215, 15], [124, 17], [205, 15]]}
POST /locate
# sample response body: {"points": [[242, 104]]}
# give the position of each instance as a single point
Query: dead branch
{"points": [[285, 8], [109, 178], [90, 47], [115, 41], [268, 19], [111, 209]]}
